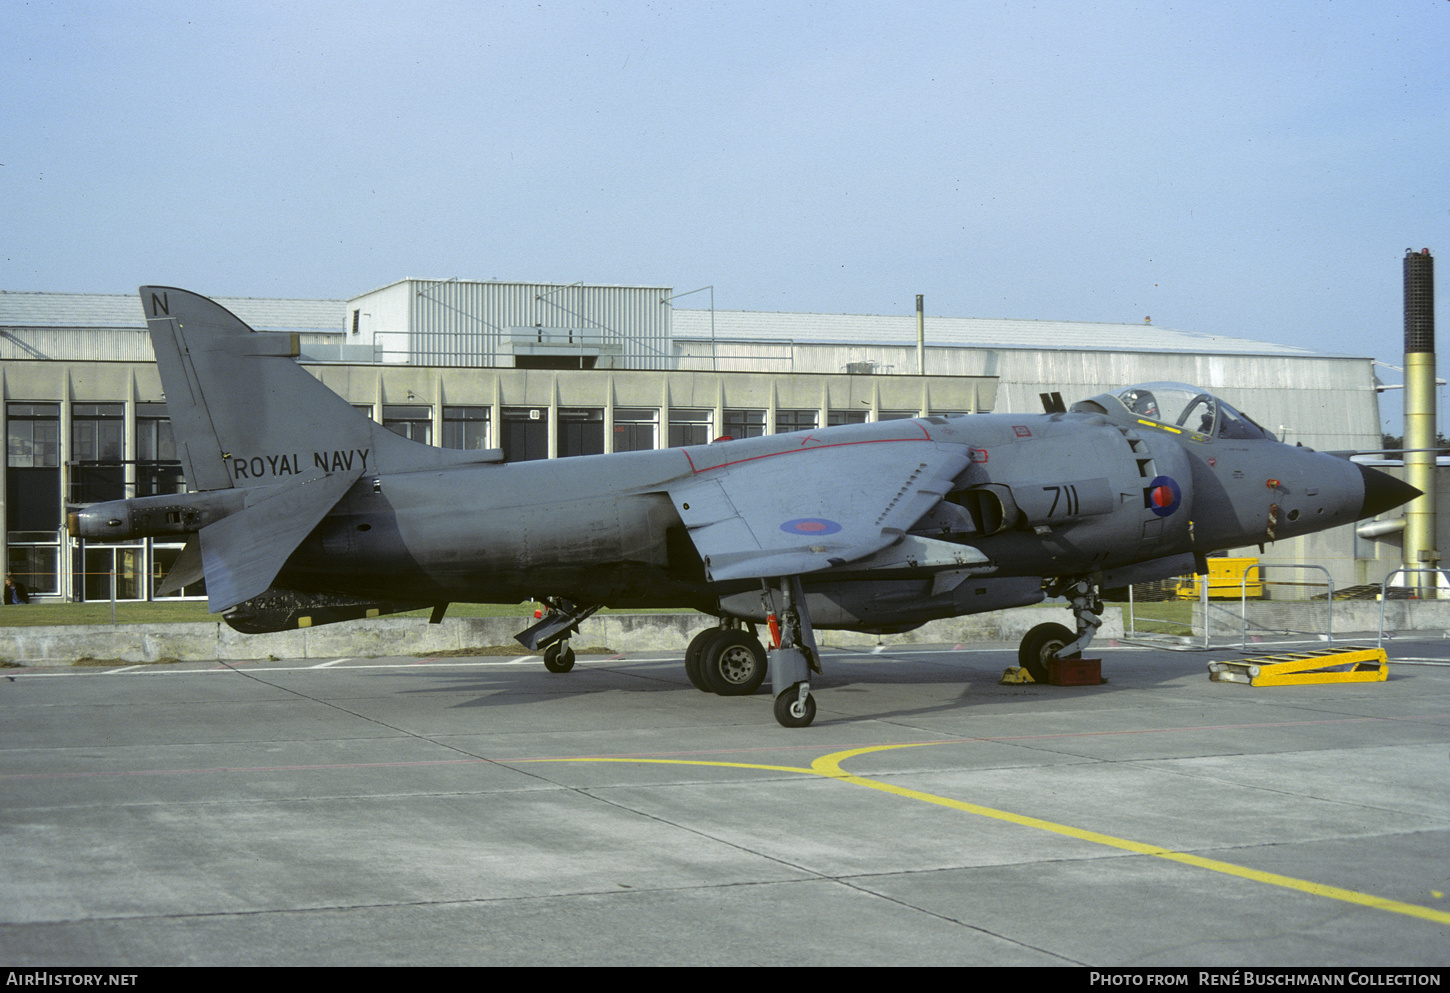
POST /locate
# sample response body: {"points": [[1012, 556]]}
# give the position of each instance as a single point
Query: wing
{"points": [[801, 505]]}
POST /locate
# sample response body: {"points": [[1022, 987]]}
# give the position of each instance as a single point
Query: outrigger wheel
{"points": [[559, 657], [1040, 646]]}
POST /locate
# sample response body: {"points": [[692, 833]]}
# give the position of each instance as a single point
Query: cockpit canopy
{"points": [[1178, 405]]}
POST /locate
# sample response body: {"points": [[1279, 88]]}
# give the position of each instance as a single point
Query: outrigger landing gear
{"points": [[552, 633], [1046, 642]]}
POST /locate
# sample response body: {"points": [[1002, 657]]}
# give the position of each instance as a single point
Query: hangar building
{"points": [[545, 370]]}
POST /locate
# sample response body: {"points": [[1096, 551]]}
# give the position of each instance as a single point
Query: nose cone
{"points": [[1383, 492]]}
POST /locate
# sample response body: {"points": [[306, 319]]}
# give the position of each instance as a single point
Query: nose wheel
{"points": [[1040, 647]]}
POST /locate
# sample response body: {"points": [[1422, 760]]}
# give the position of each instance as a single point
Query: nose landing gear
{"points": [[1046, 642]]}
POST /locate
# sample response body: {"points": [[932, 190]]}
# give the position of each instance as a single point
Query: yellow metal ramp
{"points": [[1325, 665]]}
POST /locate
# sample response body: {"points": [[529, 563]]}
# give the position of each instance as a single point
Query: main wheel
{"points": [[695, 655], [733, 664], [791, 713], [558, 658], [1041, 646]]}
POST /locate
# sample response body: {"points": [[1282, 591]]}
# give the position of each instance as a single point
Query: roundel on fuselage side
{"points": [[1163, 496]]}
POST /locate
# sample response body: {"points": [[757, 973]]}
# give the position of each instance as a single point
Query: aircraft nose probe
{"points": [[1383, 492]]}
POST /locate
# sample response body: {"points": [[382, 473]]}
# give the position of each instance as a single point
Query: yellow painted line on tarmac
{"points": [[829, 767]]}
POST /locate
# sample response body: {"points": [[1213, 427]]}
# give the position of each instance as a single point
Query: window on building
{"points": [[690, 426], [794, 420], [33, 440], [163, 558], [581, 431], [412, 421], [524, 433], [635, 429], [897, 415], [34, 565], [834, 417], [157, 468], [32, 471], [98, 471], [744, 423], [97, 430], [465, 428], [98, 569]]}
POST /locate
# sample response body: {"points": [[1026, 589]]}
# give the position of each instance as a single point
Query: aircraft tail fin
{"points": [[245, 414]]}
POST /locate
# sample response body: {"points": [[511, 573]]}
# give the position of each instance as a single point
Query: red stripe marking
{"points": [[817, 448]]}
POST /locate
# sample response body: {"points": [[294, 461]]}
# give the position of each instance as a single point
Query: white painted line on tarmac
{"points": [[324, 665]]}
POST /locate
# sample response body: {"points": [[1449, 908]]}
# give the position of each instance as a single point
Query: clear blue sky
{"points": [[1244, 168]]}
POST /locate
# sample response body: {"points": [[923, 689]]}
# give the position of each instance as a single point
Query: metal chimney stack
{"points": [[1420, 550]]}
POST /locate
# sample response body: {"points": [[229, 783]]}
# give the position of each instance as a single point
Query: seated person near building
{"points": [[15, 591]]}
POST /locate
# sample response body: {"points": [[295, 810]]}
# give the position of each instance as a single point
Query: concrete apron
{"points": [[414, 636]]}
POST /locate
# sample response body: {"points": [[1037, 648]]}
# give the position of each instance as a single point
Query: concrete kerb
{"points": [[388, 636]]}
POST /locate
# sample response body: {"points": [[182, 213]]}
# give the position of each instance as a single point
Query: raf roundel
{"points": [[1163, 496], [810, 526]]}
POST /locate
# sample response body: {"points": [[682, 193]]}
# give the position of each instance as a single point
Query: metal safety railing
{"points": [[1281, 615], [1155, 614], [1439, 590], [1190, 613]]}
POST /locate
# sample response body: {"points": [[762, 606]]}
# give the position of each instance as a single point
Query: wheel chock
{"points": [[1326, 665], [1014, 675], [1075, 672]]}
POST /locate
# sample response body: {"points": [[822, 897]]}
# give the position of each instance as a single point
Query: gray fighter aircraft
{"points": [[303, 511]]}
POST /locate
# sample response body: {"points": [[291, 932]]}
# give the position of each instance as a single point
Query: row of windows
{"points": [[131, 571], [524, 431], [97, 429], [103, 467]]}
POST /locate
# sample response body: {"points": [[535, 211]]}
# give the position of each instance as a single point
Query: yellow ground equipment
{"points": [[1326, 665], [1225, 580]]}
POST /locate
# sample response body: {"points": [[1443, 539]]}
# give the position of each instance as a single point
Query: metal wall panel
{"points": [[458, 322]]}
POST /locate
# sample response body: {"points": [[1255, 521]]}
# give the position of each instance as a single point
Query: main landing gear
{"points": [[726, 660], [731, 661], [1046, 642]]}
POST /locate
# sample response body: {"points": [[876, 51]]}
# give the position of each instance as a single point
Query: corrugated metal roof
{"points": [[20, 309], [969, 332]]}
